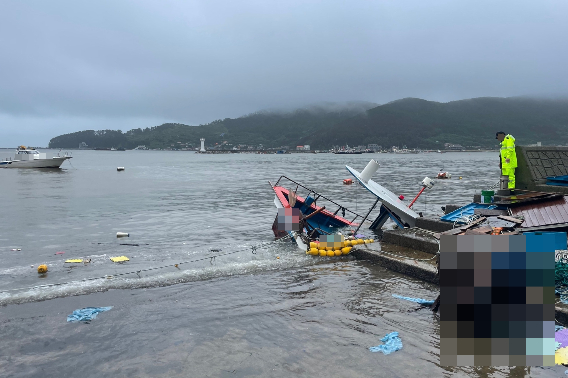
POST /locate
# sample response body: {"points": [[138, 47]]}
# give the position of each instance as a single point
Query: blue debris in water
{"points": [[86, 314], [416, 300], [392, 343]]}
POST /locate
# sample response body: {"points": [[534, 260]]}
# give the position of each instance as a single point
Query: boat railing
{"points": [[317, 196]]}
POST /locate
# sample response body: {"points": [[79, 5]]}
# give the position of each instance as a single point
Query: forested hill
{"points": [[412, 122], [269, 128], [474, 122]]}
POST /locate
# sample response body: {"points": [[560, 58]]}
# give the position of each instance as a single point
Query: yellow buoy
{"points": [[331, 253], [329, 248], [42, 268], [323, 252], [337, 252], [313, 252], [346, 250], [366, 241], [337, 247], [360, 241], [372, 240], [347, 243], [313, 245]]}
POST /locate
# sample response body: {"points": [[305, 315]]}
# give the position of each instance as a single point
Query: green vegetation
{"points": [[412, 122], [426, 124]]}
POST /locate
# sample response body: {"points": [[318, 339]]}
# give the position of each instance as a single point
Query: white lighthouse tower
{"points": [[202, 145]]}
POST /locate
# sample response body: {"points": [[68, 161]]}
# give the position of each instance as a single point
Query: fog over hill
{"points": [[413, 122]]}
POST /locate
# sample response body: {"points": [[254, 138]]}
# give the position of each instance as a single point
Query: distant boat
{"points": [[32, 158], [113, 149], [347, 152]]}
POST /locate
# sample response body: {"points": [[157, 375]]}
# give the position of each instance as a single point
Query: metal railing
{"points": [[317, 196]]}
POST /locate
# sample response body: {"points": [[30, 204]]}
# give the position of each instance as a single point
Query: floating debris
{"points": [[86, 314], [119, 259], [392, 343]]}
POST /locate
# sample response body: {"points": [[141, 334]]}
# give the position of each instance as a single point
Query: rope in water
{"points": [[137, 272], [408, 258]]}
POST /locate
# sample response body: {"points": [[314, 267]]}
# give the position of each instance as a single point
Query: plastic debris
{"points": [[561, 356], [416, 300], [86, 314], [562, 337], [392, 343], [59, 253], [16, 249], [119, 259], [122, 234], [74, 261]]}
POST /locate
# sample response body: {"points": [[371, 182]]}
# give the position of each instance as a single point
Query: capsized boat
{"points": [[315, 220], [32, 158]]}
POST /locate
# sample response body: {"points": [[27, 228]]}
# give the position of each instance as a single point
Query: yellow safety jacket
{"points": [[508, 152]]}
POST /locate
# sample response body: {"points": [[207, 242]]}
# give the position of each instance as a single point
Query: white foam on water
{"points": [[81, 287]]}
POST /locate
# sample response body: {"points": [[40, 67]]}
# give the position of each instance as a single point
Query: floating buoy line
{"points": [[253, 249]]}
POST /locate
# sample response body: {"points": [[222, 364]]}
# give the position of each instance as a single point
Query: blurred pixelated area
{"points": [[497, 298], [288, 219], [331, 242]]}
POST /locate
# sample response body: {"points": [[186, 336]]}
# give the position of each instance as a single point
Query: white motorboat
{"points": [[32, 158]]}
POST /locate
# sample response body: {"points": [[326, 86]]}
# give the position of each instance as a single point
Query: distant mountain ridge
{"points": [[271, 128], [413, 122], [473, 122]]}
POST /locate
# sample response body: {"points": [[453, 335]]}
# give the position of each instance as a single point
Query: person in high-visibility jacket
{"points": [[508, 161]]}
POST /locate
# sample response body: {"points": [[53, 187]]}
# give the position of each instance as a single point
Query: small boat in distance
{"points": [[32, 158], [348, 152]]}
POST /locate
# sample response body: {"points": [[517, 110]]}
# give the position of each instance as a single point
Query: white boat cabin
{"points": [[23, 153]]}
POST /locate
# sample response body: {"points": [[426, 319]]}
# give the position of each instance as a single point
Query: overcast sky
{"points": [[73, 65]]}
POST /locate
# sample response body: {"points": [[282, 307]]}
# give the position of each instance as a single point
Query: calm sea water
{"points": [[236, 311]]}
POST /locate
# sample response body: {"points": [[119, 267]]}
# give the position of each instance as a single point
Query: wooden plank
{"points": [[489, 212], [453, 231], [510, 219], [479, 231]]}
